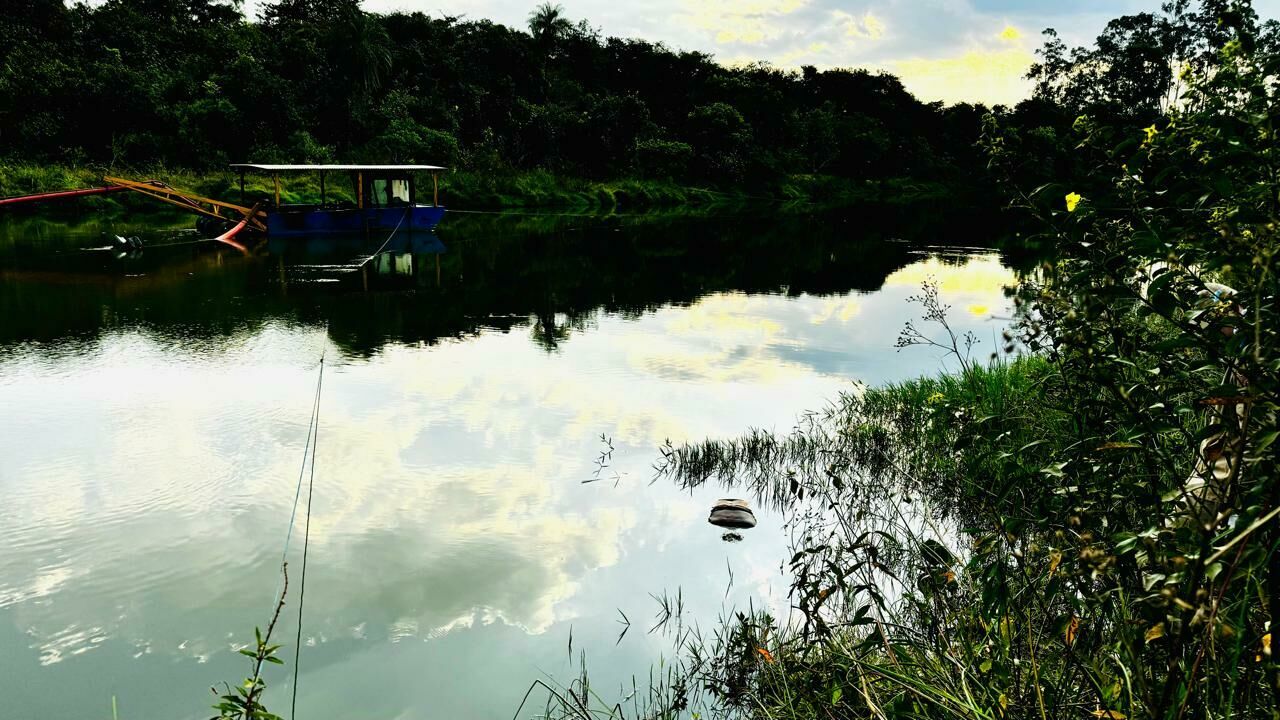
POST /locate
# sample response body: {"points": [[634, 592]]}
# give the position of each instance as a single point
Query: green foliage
{"points": [[244, 701], [663, 158], [723, 138], [404, 140], [1090, 529], [194, 84], [1138, 65]]}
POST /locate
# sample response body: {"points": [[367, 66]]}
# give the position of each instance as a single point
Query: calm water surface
{"points": [[154, 408]]}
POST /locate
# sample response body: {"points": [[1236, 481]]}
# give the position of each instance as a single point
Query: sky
{"points": [[948, 50]]}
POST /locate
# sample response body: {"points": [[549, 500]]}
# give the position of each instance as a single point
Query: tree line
{"points": [[196, 84]]}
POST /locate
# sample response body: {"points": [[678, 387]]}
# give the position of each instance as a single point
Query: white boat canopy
{"points": [[352, 168]]}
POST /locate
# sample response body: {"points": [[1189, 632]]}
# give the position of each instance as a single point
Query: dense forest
{"points": [[195, 84]]}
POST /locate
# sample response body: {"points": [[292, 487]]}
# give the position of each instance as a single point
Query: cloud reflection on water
{"points": [[147, 487]]}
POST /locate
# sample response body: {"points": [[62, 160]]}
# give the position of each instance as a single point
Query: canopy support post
{"points": [[435, 189], [276, 179], [360, 190], [322, 196]]}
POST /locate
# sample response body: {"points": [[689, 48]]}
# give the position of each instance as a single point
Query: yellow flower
{"points": [[935, 398], [1151, 133], [1073, 199]]}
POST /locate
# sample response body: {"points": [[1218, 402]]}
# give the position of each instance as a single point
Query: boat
{"points": [[387, 199]]}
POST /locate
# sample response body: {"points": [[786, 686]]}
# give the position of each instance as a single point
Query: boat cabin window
{"points": [[400, 191], [384, 192]]}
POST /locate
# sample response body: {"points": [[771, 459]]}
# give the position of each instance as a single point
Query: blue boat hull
{"points": [[314, 221]]}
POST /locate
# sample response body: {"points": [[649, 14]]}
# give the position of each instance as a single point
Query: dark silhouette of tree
{"points": [[547, 24], [361, 49]]}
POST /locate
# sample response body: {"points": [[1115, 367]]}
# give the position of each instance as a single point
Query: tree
{"points": [[547, 24], [193, 83], [360, 49], [723, 139]]}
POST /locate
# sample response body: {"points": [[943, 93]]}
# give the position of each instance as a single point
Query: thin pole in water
{"points": [[306, 541]]}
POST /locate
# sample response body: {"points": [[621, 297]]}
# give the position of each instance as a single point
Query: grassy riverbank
{"points": [[1024, 538], [1084, 523], [904, 587], [463, 189]]}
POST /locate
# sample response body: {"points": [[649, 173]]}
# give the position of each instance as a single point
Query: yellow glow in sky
{"points": [[990, 70], [991, 75], [803, 54], [748, 23]]}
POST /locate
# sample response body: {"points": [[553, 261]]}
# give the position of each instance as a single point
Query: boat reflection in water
{"points": [[403, 261], [551, 278]]}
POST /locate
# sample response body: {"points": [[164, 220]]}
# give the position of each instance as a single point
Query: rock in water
{"points": [[732, 513]]}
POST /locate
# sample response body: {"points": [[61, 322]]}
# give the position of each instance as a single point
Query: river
{"points": [[494, 399]]}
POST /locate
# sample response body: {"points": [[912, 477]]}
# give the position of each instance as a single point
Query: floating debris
{"points": [[731, 537], [732, 513]]}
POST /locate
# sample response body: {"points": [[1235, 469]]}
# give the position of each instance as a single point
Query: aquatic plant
{"points": [[244, 701]]}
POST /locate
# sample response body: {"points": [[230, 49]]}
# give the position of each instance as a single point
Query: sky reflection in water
{"points": [[154, 426]]}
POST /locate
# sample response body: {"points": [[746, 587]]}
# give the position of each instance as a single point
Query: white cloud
{"points": [[869, 26], [747, 22]]}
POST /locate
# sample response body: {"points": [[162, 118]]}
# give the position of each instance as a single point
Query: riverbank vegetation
{"points": [[555, 114], [467, 189], [1084, 523]]}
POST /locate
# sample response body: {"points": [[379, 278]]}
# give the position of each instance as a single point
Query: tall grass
{"points": [[945, 562], [470, 189]]}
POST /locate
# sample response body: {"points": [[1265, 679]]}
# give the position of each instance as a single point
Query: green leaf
{"points": [[1125, 542], [1054, 470]]}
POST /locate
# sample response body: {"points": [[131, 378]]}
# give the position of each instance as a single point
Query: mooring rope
{"points": [[313, 426], [306, 450], [314, 435], [388, 240]]}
